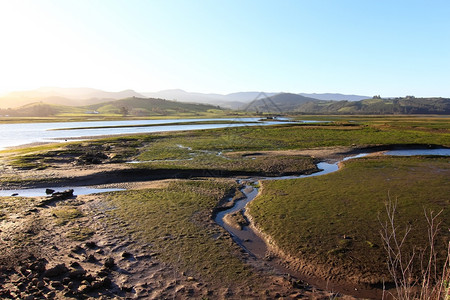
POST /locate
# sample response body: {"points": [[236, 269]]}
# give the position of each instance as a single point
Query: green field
{"points": [[334, 220]]}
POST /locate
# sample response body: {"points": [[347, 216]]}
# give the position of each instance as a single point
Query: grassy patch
{"points": [[333, 219], [80, 233], [64, 214], [176, 222]]}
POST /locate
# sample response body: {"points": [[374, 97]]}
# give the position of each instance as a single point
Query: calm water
{"points": [[12, 135], [38, 192]]}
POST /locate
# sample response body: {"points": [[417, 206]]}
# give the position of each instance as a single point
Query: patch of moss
{"points": [[80, 233], [64, 214]]}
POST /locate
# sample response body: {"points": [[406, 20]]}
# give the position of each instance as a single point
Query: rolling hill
{"points": [[294, 103], [138, 107]]}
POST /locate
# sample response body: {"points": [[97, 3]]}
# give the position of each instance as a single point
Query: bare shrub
{"points": [[416, 273]]}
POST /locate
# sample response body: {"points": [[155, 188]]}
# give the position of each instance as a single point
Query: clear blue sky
{"points": [[391, 48]]}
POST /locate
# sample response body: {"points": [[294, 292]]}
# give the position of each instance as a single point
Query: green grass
{"points": [[80, 233], [176, 222], [310, 217], [64, 214]]}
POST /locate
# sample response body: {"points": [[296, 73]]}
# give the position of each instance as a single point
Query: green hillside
{"points": [[149, 107], [132, 107], [293, 103]]}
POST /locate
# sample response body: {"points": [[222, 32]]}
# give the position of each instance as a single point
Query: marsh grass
{"points": [[176, 223], [64, 214], [80, 233], [209, 148], [333, 219]]}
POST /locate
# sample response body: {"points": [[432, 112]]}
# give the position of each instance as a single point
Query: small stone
{"points": [[91, 245], [190, 278], [92, 259], [56, 271], [77, 249], [24, 271], [126, 288], [109, 263], [51, 295], [83, 288], [56, 284], [77, 273], [40, 285], [85, 282]]}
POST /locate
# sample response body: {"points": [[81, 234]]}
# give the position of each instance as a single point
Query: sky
{"points": [[365, 47]]}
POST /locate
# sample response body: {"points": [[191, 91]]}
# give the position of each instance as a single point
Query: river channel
{"points": [[255, 245], [13, 135]]}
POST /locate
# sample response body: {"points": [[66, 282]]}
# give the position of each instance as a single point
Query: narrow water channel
{"points": [[248, 239]]}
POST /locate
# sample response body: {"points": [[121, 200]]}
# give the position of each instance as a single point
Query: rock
{"points": [[75, 264], [109, 263], [85, 282], [56, 284], [62, 195], [39, 266], [84, 288], [91, 245], [127, 255], [40, 285], [56, 271], [49, 191], [51, 295], [24, 270], [126, 288], [96, 285], [190, 278], [92, 259], [77, 273], [14, 194], [77, 249]]}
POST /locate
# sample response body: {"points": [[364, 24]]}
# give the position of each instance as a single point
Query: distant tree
{"points": [[376, 97], [124, 111]]}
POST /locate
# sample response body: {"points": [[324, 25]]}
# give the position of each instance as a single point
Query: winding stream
{"points": [[248, 239]]}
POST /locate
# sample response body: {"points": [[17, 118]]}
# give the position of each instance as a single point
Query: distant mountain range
{"points": [[239, 100], [63, 96], [88, 96], [53, 101]]}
